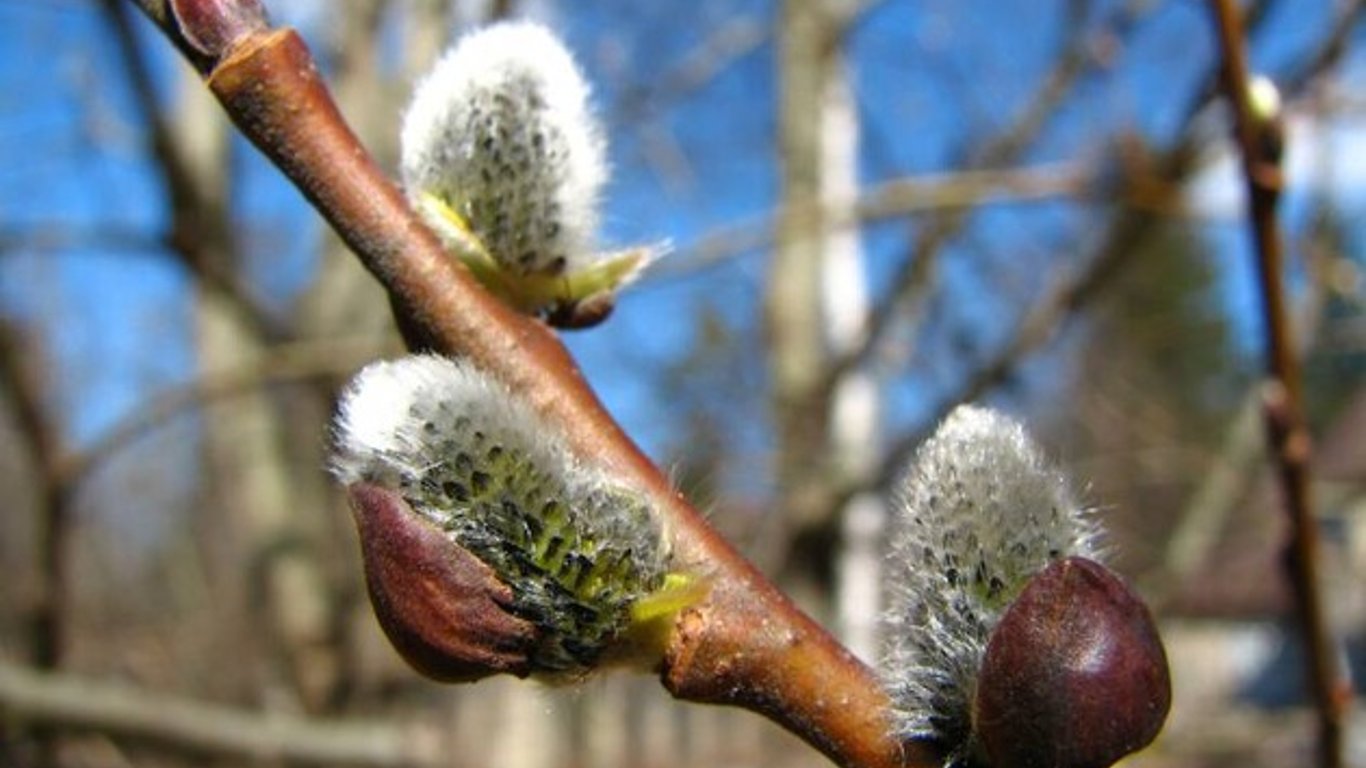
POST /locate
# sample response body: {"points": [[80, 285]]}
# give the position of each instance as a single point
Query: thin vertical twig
{"points": [[1259, 139]]}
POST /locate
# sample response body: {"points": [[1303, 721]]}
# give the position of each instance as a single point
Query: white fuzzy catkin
{"points": [[389, 418], [978, 512], [576, 549], [500, 131]]}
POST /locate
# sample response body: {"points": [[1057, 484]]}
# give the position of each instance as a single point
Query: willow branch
{"points": [[68, 702], [1259, 138], [293, 361], [745, 644]]}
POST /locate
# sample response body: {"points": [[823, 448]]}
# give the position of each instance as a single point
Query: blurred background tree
{"points": [[876, 210]]}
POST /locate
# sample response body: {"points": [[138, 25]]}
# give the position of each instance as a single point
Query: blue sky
{"points": [[116, 317]]}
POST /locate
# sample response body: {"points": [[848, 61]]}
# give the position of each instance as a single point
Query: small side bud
{"points": [[504, 160], [1268, 118], [1075, 675], [489, 547], [1264, 97]]}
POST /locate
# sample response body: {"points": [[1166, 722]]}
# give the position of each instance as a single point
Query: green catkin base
{"points": [[576, 559]]}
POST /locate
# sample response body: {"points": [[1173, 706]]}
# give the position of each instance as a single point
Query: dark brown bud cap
{"points": [[1074, 674], [213, 27], [443, 609], [586, 313]]}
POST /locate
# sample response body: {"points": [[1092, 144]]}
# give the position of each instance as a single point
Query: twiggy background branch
{"points": [[1259, 139], [1129, 229], [197, 230], [72, 702], [745, 644], [284, 363], [897, 198], [1040, 323]]}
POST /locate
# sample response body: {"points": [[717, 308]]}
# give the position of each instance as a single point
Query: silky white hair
{"points": [[501, 132], [976, 514], [576, 547], [397, 419]]}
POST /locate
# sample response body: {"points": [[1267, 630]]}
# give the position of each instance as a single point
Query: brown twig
{"points": [[1258, 136], [744, 644]]}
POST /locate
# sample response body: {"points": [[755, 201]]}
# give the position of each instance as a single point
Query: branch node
{"points": [[213, 28]]}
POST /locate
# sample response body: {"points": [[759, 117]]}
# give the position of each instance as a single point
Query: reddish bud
{"points": [[214, 27], [443, 609], [1074, 674], [576, 315]]}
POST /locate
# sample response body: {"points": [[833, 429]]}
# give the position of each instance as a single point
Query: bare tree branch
{"points": [[199, 233], [69, 702], [1127, 232], [732, 40], [891, 200], [1037, 326], [295, 361], [914, 277], [50, 236]]}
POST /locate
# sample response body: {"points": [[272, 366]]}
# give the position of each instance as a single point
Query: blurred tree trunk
{"points": [[817, 307], [853, 407], [797, 354], [243, 442], [23, 376]]}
